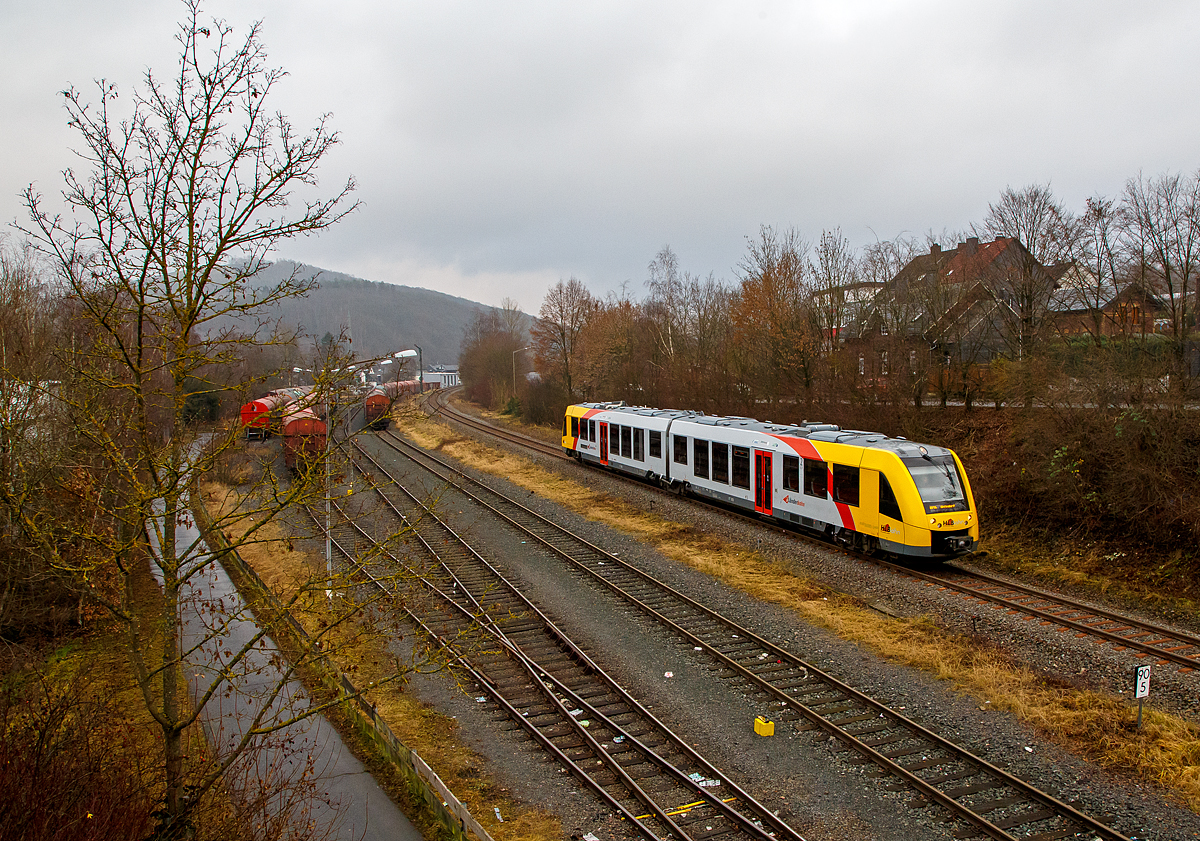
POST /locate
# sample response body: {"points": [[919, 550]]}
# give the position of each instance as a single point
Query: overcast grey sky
{"points": [[500, 147]]}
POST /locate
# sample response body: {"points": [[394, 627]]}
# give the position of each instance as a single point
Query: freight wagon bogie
{"points": [[862, 490]]}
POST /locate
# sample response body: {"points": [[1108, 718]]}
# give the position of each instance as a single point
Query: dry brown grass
{"points": [[1093, 567], [361, 652], [97, 669], [1100, 728], [543, 432]]}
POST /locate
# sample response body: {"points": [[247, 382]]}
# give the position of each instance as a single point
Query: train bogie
{"points": [[863, 489]]}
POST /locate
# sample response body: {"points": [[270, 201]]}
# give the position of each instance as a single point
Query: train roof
{"points": [[643, 411], [811, 430]]}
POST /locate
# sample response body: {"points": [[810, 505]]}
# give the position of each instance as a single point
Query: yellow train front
{"points": [[865, 490]]}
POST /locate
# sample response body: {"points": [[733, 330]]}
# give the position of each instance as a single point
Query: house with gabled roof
{"points": [[950, 312]]}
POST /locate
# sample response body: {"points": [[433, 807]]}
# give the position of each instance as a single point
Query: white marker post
{"points": [[1141, 684]]}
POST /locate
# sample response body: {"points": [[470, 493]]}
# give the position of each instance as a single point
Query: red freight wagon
{"points": [[303, 437], [378, 403], [256, 415]]}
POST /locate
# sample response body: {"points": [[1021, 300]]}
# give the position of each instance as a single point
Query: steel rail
{"points": [[748, 825], [460, 660], [1075, 624], [1169, 636], [440, 404], [1084, 822]]}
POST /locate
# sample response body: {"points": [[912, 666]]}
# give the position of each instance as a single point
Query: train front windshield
{"points": [[938, 482]]}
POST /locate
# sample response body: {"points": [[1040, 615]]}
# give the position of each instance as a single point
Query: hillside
{"points": [[382, 317]]}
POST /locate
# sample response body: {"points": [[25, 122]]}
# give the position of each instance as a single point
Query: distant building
{"points": [[444, 375]]}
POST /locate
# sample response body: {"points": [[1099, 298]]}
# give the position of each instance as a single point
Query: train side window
{"points": [[699, 458], [627, 442], [639, 444], [791, 473], [655, 444], [592, 431], [845, 484], [741, 467], [720, 462], [888, 506], [816, 478], [680, 448], [574, 427]]}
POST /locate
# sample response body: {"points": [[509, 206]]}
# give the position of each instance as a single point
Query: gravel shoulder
{"points": [[816, 786]]}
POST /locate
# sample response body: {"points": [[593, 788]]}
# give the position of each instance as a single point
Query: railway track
{"points": [[1142, 639], [549, 687], [1125, 633], [987, 800]]}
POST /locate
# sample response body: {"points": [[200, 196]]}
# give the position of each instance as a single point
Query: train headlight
{"points": [[933, 521]]}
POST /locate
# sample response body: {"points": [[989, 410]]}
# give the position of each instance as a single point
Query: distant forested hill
{"points": [[382, 317]]}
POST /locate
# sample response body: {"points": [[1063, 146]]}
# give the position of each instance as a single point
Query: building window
{"points": [[883, 363], [912, 362], [862, 365]]}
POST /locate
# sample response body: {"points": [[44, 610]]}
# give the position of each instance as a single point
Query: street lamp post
{"points": [[514, 361]]}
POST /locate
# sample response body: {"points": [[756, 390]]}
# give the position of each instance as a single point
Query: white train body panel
{"points": [[863, 488]]}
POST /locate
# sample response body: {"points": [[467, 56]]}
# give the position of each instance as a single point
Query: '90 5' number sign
{"points": [[1141, 678]]}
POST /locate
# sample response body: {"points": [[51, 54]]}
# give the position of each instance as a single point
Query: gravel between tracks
{"points": [[818, 790]]}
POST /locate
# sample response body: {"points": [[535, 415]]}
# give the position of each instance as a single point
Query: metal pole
{"points": [[329, 428], [420, 369]]}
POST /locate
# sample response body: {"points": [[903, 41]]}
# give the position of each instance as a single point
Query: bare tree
{"points": [[182, 197], [487, 359], [776, 339], [1050, 233], [666, 300], [701, 374], [835, 272], [565, 312], [1093, 281], [896, 315], [1163, 234]]}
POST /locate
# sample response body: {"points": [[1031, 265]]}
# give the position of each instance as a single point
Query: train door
{"points": [[603, 442], [762, 482]]}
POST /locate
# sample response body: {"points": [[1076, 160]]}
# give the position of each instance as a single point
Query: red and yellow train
{"points": [[863, 489]]}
